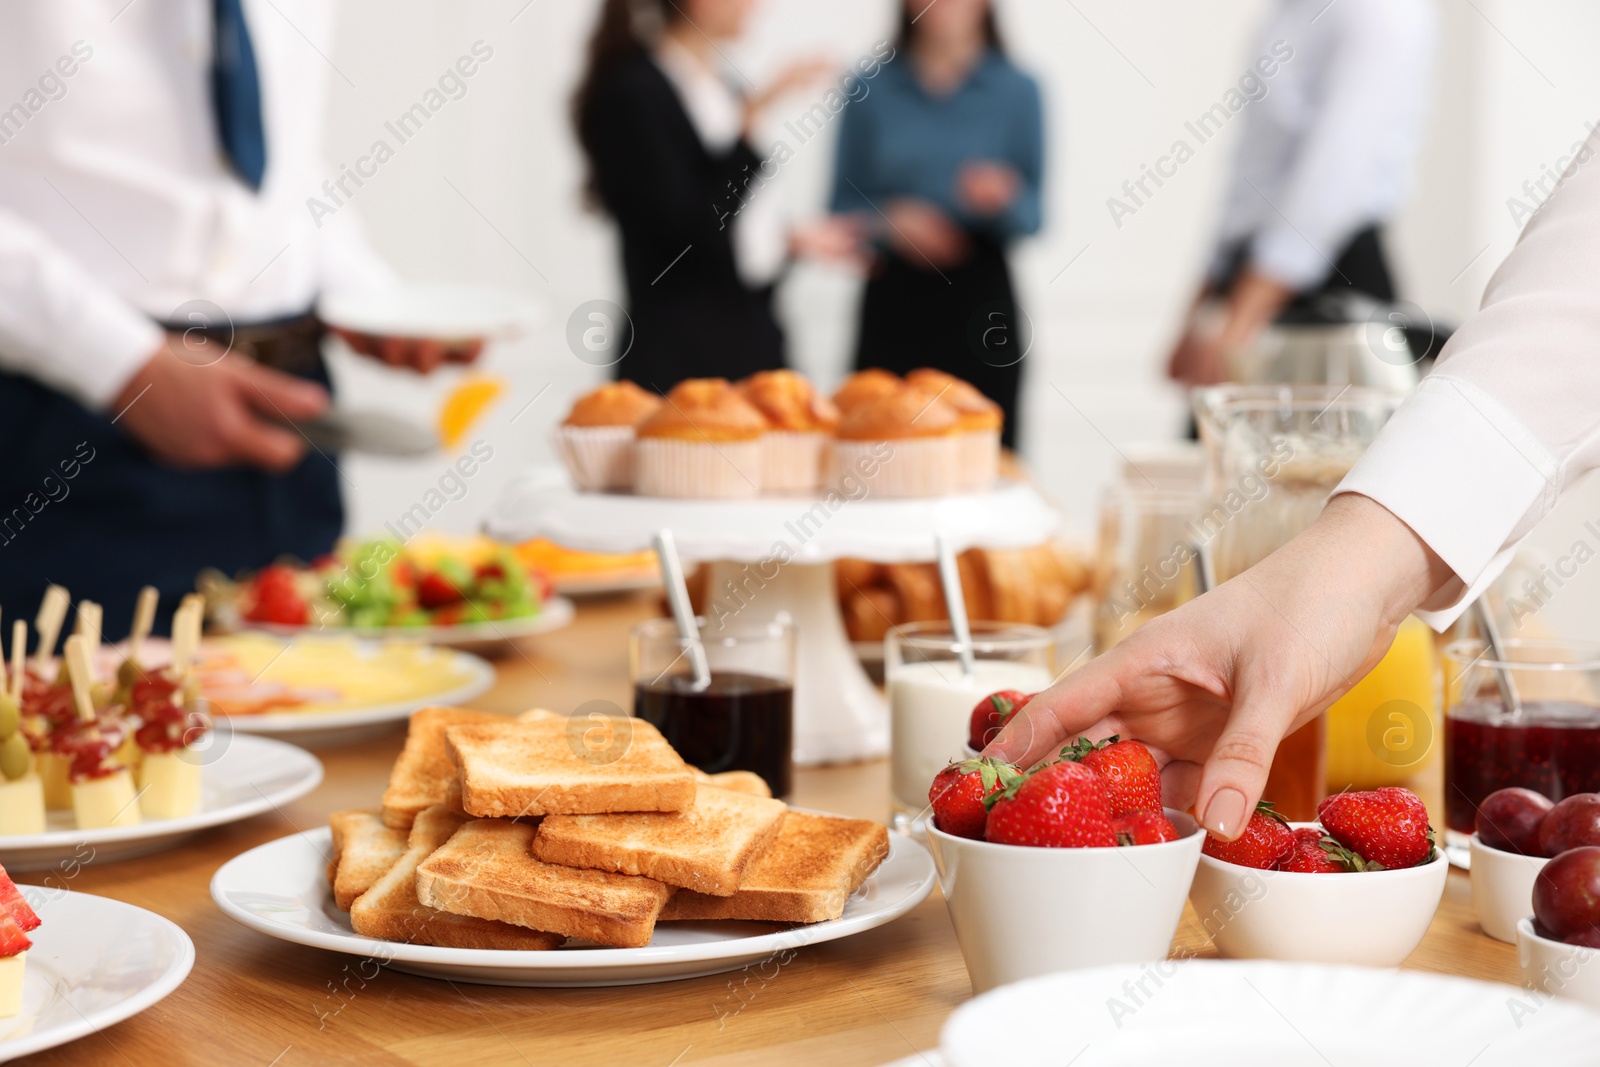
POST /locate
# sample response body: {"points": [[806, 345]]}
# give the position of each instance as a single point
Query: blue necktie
{"points": [[236, 92]]}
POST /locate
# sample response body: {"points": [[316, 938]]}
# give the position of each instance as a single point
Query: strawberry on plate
{"points": [[958, 792], [13, 904], [1133, 781], [12, 939], [1060, 805], [1266, 842], [1143, 828], [993, 712], [1388, 827]]}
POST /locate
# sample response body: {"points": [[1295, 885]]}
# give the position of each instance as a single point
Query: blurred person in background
{"points": [[943, 164], [670, 144], [1325, 162], [158, 267]]}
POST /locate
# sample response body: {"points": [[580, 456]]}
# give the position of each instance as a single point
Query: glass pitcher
{"points": [[1275, 452]]}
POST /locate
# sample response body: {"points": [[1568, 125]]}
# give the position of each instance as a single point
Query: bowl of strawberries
{"points": [[1072, 864], [1268, 894]]}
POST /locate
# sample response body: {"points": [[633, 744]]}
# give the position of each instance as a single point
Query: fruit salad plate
{"points": [[1209, 1013], [94, 962], [281, 889], [243, 776]]}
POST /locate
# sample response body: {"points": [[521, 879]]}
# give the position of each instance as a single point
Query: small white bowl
{"points": [[1555, 967], [1502, 888], [1372, 919], [1020, 912]]}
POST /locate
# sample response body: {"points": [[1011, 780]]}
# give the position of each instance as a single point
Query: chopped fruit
{"points": [[1508, 819], [1266, 841], [993, 712], [12, 938], [105, 801], [1143, 828], [1060, 805], [1133, 781], [276, 598], [1573, 823], [1566, 897], [436, 591], [958, 792], [1386, 826], [13, 904]]}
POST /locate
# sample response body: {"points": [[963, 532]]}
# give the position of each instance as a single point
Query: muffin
{"points": [[596, 438], [800, 425], [981, 422], [706, 441], [902, 444], [864, 385]]}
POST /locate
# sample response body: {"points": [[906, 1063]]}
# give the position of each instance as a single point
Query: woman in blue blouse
{"points": [[942, 161]]}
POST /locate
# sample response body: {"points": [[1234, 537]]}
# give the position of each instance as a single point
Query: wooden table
{"points": [[869, 999]]}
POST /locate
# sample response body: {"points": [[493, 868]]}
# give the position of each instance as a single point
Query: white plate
{"points": [[244, 776], [329, 728], [94, 962], [600, 585], [1208, 1013], [445, 311], [555, 613], [281, 889]]}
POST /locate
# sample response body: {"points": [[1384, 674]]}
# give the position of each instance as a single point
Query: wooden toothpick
{"points": [[144, 617], [77, 653], [19, 653], [52, 614]]}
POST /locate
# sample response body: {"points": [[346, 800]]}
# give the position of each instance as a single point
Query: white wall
{"points": [[1515, 86]]}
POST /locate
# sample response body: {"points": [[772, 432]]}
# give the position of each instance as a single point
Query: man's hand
{"points": [[196, 410], [421, 354], [1215, 685]]}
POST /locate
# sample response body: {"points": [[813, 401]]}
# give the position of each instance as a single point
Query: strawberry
{"points": [[1266, 841], [1143, 828], [1133, 781], [435, 591], [958, 792], [13, 904], [1317, 853], [1060, 805], [993, 712], [1387, 827], [12, 939]]}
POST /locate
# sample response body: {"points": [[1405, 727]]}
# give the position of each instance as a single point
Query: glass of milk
{"points": [[931, 699]]}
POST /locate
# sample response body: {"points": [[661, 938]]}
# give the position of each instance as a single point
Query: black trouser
{"points": [[962, 320], [1361, 267], [84, 506]]}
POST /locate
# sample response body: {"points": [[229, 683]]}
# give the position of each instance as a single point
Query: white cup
{"points": [[1020, 911], [1502, 888]]}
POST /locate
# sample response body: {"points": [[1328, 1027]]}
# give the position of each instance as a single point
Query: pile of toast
{"points": [[521, 833]]}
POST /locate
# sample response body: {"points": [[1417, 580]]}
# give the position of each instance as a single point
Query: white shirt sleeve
{"points": [[60, 326], [1510, 418], [346, 262]]}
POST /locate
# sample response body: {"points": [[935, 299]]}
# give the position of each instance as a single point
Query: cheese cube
{"points": [[105, 802], [21, 805], [169, 784], [11, 968]]}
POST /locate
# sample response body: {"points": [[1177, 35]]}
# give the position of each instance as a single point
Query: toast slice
{"points": [[736, 782], [390, 909], [486, 870], [705, 848], [541, 715], [364, 849], [805, 877], [420, 774], [538, 768]]}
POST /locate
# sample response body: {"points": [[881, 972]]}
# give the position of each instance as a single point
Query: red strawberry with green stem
{"points": [[1060, 805], [993, 712], [1388, 827], [1133, 781], [958, 792], [1143, 828], [1266, 841], [1317, 853]]}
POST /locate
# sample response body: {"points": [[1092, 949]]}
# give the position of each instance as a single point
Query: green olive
{"points": [[10, 715], [129, 674], [14, 756]]}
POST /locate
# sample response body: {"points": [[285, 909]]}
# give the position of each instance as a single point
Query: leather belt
{"points": [[292, 345]]}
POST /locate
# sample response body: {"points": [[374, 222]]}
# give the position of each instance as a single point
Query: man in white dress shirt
{"points": [[155, 160], [1472, 461], [1324, 162]]}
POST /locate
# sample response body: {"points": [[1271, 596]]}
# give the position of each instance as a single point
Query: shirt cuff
{"points": [[1463, 472], [1283, 255], [106, 346]]}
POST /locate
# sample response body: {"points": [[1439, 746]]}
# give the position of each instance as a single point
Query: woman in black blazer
{"points": [[670, 158]]}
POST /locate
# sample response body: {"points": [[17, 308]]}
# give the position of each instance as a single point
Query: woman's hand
{"points": [[835, 239], [987, 188], [1213, 686], [923, 234]]}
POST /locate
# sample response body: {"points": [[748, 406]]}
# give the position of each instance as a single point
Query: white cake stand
{"points": [[779, 551]]}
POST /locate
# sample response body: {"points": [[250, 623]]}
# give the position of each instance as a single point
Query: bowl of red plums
{"points": [[1518, 831], [1072, 864], [1359, 886], [1559, 945]]}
